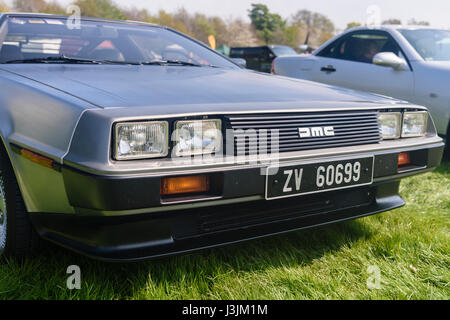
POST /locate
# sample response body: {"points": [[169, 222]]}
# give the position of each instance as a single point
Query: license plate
{"points": [[309, 178]]}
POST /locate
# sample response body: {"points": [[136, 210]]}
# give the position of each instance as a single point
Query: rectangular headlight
{"points": [[414, 124], [141, 140], [390, 124], [198, 137]]}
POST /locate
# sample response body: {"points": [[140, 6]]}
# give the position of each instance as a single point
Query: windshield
{"points": [[283, 51], [53, 40], [432, 45]]}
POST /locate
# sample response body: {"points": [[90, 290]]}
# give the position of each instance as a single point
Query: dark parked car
{"points": [[260, 58], [125, 140]]}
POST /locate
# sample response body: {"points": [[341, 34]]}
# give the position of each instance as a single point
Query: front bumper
{"points": [[138, 237], [125, 218]]}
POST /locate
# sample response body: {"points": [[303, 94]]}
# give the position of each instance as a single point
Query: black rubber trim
{"points": [[107, 193]]}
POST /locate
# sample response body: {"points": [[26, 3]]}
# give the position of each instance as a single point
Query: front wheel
{"points": [[18, 238], [3, 217]]}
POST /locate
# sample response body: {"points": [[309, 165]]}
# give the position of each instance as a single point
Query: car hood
{"points": [[109, 86], [443, 65]]}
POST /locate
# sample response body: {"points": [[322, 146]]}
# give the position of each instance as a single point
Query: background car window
{"points": [[432, 45], [247, 53], [360, 47], [283, 51]]}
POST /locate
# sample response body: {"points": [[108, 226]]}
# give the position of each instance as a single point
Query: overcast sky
{"points": [[339, 11]]}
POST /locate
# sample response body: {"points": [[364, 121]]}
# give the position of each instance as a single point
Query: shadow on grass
{"points": [[292, 249], [444, 168]]}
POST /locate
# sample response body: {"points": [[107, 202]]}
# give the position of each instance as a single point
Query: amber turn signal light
{"points": [[404, 159], [43, 161], [187, 184]]}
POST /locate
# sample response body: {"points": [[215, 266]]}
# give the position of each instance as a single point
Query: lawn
{"points": [[409, 246]]}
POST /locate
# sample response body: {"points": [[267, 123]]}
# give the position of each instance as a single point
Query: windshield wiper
{"points": [[56, 59], [66, 59], [174, 62]]}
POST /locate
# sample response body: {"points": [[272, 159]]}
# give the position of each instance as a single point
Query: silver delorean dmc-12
{"points": [[124, 141]]}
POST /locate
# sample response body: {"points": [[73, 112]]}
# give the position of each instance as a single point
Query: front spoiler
{"points": [[155, 235]]}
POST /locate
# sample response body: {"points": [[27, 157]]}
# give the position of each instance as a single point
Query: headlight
{"points": [[414, 124], [390, 124], [198, 137], [140, 140]]}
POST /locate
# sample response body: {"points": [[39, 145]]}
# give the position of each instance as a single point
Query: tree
{"points": [[240, 34], [3, 7], [418, 23], [392, 21], [29, 5], [53, 8], [202, 28], [171, 20], [318, 26], [220, 30], [135, 14], [265, 23], [352, 25], [99, 9]]}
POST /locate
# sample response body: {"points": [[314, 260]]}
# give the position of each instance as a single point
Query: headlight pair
{"points": [[407, 124], [142, 140]]}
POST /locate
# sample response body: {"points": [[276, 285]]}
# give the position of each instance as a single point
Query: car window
{"points": [[35, 38], [430, 44], [283, 51], [360, 47], [247, 53]]}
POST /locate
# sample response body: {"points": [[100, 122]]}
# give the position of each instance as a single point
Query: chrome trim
{"points": [[166, 202]]}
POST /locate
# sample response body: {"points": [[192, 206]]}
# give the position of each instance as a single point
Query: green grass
{"points": [[410, 246]]}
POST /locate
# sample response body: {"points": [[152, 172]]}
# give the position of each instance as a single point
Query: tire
{"points": [[447, 144], [18, 239]]}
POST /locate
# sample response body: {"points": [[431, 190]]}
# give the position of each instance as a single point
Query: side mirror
{"points": [[240, 62], [390, 59], [303, 48]]}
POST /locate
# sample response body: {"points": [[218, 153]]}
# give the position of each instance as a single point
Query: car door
{"points": [[347, 62]]}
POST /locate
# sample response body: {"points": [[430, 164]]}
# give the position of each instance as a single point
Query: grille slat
{"points": [[309, 141], [291, 121], [315, 143], [338, 132], [295, 127], [297, 116], [350, 128], [296, 136], [303, 124]]}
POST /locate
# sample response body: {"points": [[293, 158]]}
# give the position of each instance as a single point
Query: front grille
{"points": [[350, 129]]}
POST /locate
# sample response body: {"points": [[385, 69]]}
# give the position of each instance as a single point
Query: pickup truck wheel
{"points": [[18, 238]]}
